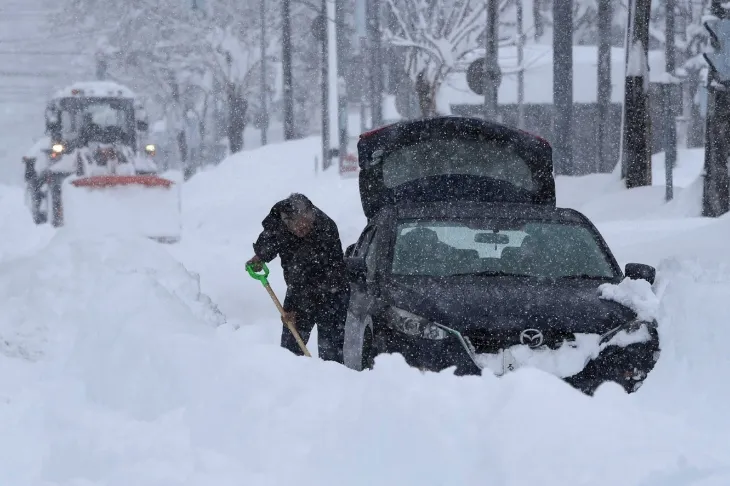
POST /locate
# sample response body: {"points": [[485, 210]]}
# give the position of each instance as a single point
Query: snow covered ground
{"points": [[127, 362]]}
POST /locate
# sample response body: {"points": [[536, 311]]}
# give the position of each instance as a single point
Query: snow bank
{"points": [[139, 383], [153, 403], [604, 197], [152, 212], [20, 236], [117, 370]]}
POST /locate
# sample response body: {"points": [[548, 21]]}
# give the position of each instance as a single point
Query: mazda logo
{"points": [[531, 337]]}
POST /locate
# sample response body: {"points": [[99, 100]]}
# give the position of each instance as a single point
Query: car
{"points": [[466, 262]]}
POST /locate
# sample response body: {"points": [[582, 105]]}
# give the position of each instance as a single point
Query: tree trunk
{"points": [[286, 60], [426, 98], [604, 82], [716, 190], [636, 149], [563, 85]]}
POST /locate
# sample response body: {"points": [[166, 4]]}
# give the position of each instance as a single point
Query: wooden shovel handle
{"points": [[289, 324]]}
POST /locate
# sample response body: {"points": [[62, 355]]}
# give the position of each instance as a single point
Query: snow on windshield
{"points": [[105, 116]]}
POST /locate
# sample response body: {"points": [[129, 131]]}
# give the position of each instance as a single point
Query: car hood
{"points": [[510, 305]]}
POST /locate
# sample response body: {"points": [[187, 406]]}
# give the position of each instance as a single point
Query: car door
{"points": [[362, 299]]}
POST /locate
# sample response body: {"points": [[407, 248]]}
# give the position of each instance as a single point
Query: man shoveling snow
{"points": [[308, 243]]}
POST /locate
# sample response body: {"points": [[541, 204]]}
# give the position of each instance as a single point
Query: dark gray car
{"points": [[449, 278]]}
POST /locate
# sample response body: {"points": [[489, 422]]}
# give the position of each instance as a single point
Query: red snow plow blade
{"points": [[123, 180], [142, 205]]}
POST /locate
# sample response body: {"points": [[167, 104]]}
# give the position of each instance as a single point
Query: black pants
{"points": [[329, 312]]}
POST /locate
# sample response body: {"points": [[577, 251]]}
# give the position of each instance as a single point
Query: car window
{"points": [[371, 256], [456, 156], [531, 249]]}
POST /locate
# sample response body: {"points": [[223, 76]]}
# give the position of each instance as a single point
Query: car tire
{"points": [[368, 349]]}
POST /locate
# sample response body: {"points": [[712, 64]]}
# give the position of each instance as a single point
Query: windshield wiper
{"points": [[584, 276], [488, 273]]}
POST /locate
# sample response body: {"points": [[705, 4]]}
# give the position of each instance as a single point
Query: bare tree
{"points": [[436, 35]]}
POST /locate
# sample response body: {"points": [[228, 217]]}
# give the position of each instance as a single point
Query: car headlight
{"points": [[57, 148], [414, 325], [150, 148], [632, 327]]}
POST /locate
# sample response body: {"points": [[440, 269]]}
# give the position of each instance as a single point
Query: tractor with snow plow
{"points": [[96, 168]]}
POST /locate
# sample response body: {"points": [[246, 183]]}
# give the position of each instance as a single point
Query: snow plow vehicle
{"points": [[95, 168]]}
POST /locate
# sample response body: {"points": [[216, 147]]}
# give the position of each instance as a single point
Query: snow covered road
{"points": [[116, 369]]}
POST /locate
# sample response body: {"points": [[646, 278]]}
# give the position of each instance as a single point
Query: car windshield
{"points": [[466, 156], [525, 249]]}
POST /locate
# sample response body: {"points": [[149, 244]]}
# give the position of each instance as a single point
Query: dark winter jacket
{"points": [[313, 265]]}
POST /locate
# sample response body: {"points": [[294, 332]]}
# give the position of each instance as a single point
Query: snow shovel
{"points": [[263, 278]]}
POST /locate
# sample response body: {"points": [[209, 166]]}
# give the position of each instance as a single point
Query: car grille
{"points": [[491, 341]]}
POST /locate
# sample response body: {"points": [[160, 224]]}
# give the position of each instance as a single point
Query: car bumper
{"points": [[627, 365]]}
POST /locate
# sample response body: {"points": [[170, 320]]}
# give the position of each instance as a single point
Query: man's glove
{"points": [[290, 317], [255, 263]]}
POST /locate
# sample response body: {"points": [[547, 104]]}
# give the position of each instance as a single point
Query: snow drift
{"points": [[137, 380], [118, 370]]}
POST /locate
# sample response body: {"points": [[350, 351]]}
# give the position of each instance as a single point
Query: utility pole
{"points": [[491, 63], [668, 95], [341, 46], [264, 104], [715, 196], [520, 63], [635, 147], [563, 85], [101, 66], [325, 85], [603, 94], [286, 61], [375, 62]]}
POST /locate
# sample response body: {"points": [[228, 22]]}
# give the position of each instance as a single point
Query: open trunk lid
{"points": [[453, 159]]}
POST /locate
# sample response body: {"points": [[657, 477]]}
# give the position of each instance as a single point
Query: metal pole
{"points": [[490, 59], [603, 92], [376, 65], [286, 62], [670, 125], [264, 107], [341, 54], [325, 89], [521, 72]]}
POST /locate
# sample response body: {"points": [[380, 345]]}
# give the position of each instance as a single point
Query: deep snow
{"points": [[117, 369]]}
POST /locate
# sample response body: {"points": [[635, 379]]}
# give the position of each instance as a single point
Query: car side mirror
{"points": [[639, 271], [357, 270]]}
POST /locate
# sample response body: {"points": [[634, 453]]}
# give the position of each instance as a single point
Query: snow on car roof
{"points": [[95, 88]]}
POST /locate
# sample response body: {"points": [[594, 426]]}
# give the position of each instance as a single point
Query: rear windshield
{"points": [[456, 156]]}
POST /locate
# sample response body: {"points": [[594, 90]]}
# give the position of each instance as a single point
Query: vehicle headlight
{"points": [[414, 325], [150, 148], [57, 148], [633, 328]]}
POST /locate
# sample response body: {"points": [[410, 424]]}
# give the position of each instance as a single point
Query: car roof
{"points": [[494, 210]]}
